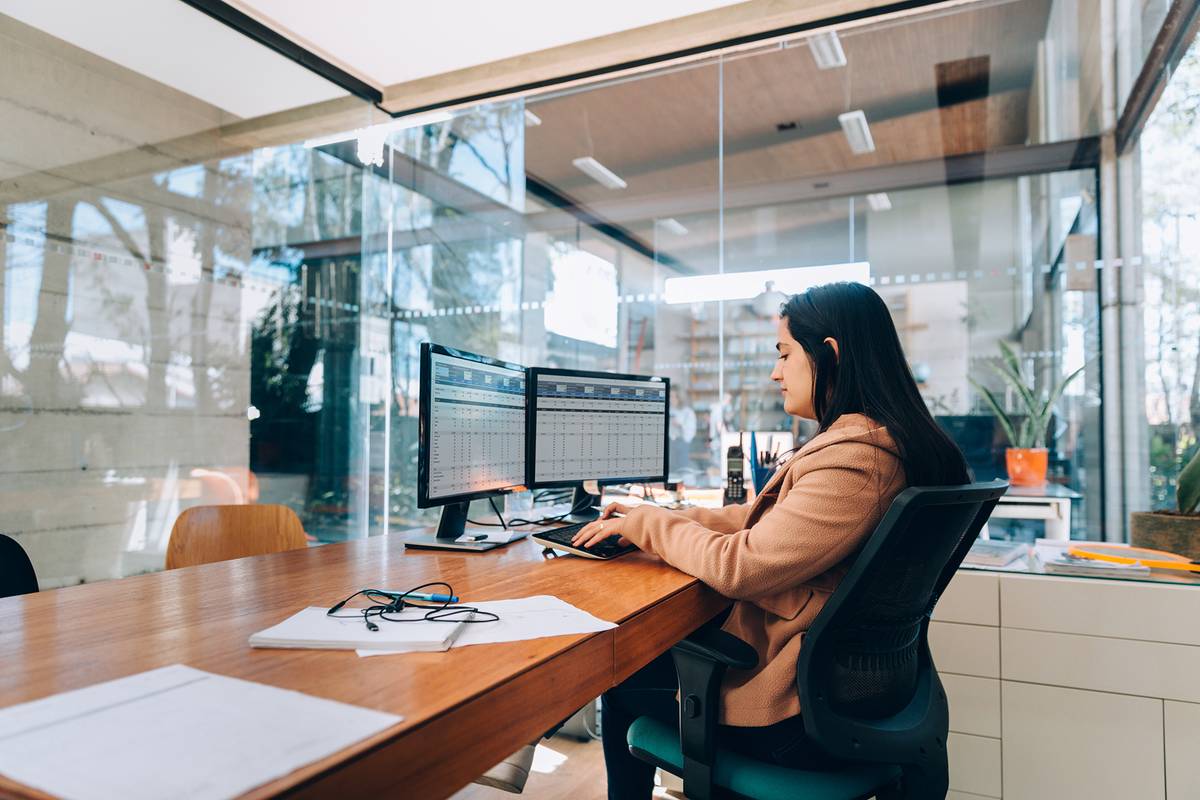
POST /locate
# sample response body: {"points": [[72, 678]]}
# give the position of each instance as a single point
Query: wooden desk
{"points": [[464, 710]]}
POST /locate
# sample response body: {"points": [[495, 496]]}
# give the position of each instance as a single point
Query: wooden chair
{"points": [[204, 534]]}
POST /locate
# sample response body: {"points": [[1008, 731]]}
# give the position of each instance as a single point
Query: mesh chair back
{"points": [[16, 571], [868, 688]]}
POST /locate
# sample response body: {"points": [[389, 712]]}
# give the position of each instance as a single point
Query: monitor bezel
{"points": [[425, 398], [531, 426]]}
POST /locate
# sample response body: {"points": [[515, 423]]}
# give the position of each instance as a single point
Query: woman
{"points": [[840, 363]]}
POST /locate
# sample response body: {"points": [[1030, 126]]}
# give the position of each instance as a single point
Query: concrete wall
{"points": [[124, 363]]}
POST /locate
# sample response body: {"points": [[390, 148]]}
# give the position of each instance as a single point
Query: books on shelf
{"points": [[994, 553]]}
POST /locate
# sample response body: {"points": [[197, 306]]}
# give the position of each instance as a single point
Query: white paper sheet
{"points": [[521, 619], [173, 732]]}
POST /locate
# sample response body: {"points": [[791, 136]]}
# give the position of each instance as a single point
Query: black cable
{"points": [[500, 524], [495, 508], [385, 603], [580, 506]]}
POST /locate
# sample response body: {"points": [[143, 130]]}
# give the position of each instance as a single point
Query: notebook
{"points": [[314, 629]]}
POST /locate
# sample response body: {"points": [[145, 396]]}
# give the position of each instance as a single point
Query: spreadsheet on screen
{"points": [[477, 427], [598, 428]]}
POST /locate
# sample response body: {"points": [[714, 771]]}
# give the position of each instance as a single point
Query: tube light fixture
{"points": [[599, 173], [673, 225], [744, 285], [858, 134], [879, 201], [827, 50]]}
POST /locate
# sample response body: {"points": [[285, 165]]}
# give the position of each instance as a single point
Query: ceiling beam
{"points": [[741, 25]]}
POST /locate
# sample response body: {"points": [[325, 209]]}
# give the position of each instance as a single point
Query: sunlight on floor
{"points": [[546, 759]]}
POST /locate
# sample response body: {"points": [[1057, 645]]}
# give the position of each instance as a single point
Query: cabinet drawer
{"points": [[971, 597], [965, 649], [974, 704], [974, 764], [1068, 744], [1149, 669], [1122, 609]]}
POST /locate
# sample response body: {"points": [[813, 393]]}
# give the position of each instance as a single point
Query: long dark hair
{"points": [[869, 375]]}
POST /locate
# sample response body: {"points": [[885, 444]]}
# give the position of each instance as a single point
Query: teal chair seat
{"points": [[658, 743]]}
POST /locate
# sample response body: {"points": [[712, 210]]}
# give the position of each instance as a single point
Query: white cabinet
{"points": [[1070, 688], [1061, 744]]}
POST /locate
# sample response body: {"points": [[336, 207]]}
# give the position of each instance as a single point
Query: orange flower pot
{"points": [[1026, 465]]}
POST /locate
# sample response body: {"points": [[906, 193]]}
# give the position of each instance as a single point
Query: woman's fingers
{"points": [[612, 509], [595, 532]]}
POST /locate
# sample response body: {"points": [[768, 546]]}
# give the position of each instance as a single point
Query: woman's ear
{"points": [[832, 342]]}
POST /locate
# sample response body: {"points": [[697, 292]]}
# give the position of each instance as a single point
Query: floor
{"points": [[563, 767]]}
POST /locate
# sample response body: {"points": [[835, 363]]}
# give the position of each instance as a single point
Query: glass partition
{"points": [[208, 300]]}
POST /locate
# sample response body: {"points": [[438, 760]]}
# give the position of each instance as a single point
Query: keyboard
{"points": [[560, 539]]}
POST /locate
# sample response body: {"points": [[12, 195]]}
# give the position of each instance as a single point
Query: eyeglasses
{"points": [[385, 604]]}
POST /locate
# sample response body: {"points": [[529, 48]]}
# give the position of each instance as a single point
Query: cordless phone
{"points": [[735, 488]]}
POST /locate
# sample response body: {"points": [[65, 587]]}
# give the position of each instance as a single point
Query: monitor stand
{"points": [[453, 525], [586, 503]]}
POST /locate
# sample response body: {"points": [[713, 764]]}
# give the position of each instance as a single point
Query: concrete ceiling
{"points": [[386, 43], [172, 43]]}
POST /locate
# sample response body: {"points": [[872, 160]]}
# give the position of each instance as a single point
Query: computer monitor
{"points": [[471, 440], [599, 426]]}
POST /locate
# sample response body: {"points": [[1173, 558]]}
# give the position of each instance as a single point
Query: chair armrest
{"points": [[714, 644], [700, 662]]}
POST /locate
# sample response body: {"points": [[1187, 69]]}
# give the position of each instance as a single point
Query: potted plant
{"points": [[1175, 531], [1027, 457]]}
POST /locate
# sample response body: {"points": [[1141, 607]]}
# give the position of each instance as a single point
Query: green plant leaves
{"points": [[1037, 411], [998, 410]]}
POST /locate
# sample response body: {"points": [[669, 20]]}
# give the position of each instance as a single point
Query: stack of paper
{"points": [[521, 619], [174, 732], [994, 553], [314, 629]]}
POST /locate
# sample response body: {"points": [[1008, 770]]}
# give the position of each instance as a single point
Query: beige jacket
{"points": [[781, 556]]}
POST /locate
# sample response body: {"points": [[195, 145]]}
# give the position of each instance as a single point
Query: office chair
{"points": [[16, 570], [204, 534], [870, 696]]}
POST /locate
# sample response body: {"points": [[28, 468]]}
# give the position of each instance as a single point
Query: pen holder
{"points": [[761, 475]]}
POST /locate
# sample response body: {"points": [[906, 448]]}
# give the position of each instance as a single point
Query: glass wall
{"points": [[1170, 162], [205, 301], [179, 288]]}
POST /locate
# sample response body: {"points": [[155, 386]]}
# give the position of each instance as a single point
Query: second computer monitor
{"points": [[597, 426]]}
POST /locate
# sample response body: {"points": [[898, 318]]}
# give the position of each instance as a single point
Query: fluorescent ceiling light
{"points": [[744, 285], [827, 50], [599, 173], [532, 120], [854, 125], [879, 201], [673, 225]]}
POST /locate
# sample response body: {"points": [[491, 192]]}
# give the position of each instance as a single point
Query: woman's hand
{"points": [[610, 522]]}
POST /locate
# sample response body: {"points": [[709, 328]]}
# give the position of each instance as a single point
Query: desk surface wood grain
{"points": [[463, 710]]}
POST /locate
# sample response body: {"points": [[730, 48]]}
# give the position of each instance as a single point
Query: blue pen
{"points": [[428, 598]]}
